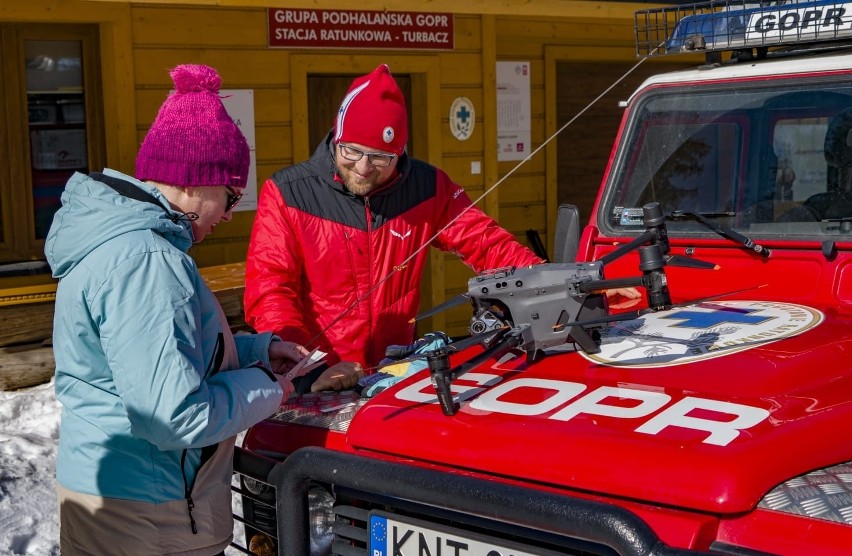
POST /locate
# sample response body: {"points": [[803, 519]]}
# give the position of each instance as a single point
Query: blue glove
{"points": [[404, 363]]}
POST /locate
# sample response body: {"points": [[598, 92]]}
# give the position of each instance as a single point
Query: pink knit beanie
{"points": [[373, 113], [193, 141]]}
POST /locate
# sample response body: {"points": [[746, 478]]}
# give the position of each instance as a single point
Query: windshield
{"points": [[766, 160]]}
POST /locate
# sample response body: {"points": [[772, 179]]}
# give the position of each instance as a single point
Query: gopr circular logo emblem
{"points": [[701, 332], [462, 118]]}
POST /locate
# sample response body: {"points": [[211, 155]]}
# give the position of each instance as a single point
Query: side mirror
{"points": [[566, 240]]}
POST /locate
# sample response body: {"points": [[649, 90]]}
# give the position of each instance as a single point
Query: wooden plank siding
{"points": [[527, 39]]}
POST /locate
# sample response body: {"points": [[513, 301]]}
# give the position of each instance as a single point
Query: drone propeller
{"points": [[631, 315], [689, 262], [448, 304]]}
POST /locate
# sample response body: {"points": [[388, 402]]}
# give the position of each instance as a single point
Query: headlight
{"points": [[321, 516], [255, 487]]}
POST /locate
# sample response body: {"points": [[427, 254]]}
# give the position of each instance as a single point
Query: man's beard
{"points": [[356, 185], [359, 186]]}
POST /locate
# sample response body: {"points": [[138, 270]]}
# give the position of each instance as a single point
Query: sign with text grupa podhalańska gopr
{"points": [[296, 28]]}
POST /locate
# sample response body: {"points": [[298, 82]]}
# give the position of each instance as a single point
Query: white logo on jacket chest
{"points": [[399, 235]]}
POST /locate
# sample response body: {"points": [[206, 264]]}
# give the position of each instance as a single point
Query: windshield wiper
{"points": [[723, 231], [844, 221]]}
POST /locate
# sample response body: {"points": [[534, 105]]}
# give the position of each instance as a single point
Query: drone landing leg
{"points": [[442, 377], [582, 337]]}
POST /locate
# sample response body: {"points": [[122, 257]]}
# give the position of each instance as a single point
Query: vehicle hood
{"points": [[707, 408]]}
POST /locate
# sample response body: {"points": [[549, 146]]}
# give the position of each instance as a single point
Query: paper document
{"points": [[311, 361]]}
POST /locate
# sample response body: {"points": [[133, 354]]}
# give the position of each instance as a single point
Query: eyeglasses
{"points": [[376, 159], [234, 197]]}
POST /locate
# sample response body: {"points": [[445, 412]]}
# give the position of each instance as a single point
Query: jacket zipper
{"points": [[187, 493], [369, 215], [206, 453]]}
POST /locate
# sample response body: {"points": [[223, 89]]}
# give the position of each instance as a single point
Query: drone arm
{"points": [[627, 247], [439, 369], [653, 279], [594, 286]]}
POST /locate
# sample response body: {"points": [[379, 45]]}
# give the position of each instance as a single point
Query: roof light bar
{"points": [[740, 24]]}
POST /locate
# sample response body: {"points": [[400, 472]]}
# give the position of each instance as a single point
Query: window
{"points": [[51, 101]]}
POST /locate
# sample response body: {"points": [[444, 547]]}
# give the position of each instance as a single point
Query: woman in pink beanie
{"points": [[154, 386]]}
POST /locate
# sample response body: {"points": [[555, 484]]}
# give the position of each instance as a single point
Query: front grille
{"points": [[257, 496], [261, 512], [350, 531]]}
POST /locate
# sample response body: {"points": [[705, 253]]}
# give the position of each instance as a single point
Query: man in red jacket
{"points": [[335, 258]]}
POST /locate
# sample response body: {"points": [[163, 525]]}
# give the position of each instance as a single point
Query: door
{"points": [[326, 92], [51, 102]]}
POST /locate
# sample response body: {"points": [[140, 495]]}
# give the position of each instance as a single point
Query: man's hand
{"points": [[283, 356], [623, 297], [339, 377]]}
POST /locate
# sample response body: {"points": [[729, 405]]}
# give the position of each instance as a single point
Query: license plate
{"points": [[391, 535]]}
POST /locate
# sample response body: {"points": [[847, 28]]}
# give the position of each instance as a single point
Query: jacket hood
{"points": [[92, 213]]}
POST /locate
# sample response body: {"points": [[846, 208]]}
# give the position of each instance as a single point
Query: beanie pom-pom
{"points": [[195, 78]]}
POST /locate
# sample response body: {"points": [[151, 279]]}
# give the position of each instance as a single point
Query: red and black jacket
{"points": [[316, 248]]}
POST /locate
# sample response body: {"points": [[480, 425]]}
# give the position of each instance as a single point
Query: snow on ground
{"points": [[29, 434]]}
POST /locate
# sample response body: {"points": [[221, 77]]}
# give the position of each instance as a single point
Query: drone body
{"points": [[541, 301]]}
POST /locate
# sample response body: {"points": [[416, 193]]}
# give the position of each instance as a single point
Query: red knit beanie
{"points": [[373, 113], [193, 141]]}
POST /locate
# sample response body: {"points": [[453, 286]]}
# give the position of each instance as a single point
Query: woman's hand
{"points": [[283, 356]]}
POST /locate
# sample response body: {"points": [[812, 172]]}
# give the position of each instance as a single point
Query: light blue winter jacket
{"points": [[138, 339]]}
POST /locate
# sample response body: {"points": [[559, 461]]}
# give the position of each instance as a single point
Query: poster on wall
{"points": [[513, 111], [240, 106]]}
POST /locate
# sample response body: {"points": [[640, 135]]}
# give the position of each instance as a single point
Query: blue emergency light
{"points": [[739, 24]]}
